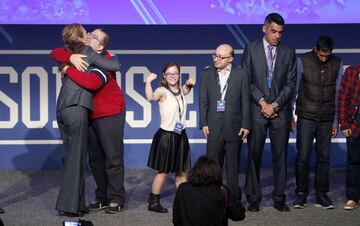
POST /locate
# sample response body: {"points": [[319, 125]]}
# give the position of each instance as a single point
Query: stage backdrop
{"points": [[30, 83]]}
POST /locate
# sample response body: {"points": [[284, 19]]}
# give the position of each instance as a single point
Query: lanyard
{"points": [[183, 104], [225, 87]]}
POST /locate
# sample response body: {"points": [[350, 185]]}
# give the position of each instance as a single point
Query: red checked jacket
{"points": [[349, 99], [108, 98]]}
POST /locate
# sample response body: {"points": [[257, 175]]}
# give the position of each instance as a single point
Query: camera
{"points": [[78, 223], [70, 223]]}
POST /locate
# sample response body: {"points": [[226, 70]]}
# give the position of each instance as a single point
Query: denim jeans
{"points": [[353, 168], [307, 130]]}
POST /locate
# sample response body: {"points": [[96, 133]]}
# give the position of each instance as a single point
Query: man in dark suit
{"points": [[225, 112], [272, 70]]}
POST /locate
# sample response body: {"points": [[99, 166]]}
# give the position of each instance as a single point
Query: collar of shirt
{"points": [[225, 71], [265, 43], [223, 78]]}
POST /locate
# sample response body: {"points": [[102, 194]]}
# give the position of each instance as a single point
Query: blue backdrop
{"points": [[30, 82]]}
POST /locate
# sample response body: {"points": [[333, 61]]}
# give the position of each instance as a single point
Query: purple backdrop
{"points": [[176, 11]]}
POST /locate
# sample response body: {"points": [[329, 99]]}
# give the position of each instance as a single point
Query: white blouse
{"points": [[169, 111]]}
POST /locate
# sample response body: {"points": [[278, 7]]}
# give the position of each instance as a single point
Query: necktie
{"points": [[270, 59]]}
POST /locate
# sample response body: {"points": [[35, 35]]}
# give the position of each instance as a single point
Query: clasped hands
{"points": [[267, 110]]}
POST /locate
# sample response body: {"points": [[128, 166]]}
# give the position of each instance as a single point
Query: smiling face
{"points": [[95, 40], [172, 76], [273, 33]]}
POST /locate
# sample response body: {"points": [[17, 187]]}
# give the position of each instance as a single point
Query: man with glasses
{"points": [[272, 68], [318, 80], [225, 112]]}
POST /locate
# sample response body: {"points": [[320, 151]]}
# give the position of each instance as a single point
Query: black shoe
{"points": [[96, 205], [281, 206], [154, 204], [69, 214], [114, 208], [300, 201], [84, 211], [253, 207], [324, 202], [2, 211]]}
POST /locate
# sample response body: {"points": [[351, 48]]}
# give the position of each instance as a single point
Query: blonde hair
{"points": [[71, 34]]}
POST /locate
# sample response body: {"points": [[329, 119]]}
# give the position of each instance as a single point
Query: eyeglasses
{"points": [[172, 74], [92, 36], [216, 57]]}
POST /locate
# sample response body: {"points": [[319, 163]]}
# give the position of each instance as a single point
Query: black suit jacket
{"points": [[283, 82], [237, 106]]}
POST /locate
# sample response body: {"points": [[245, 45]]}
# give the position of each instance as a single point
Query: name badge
{"points": [[178, 127], [220, 106]]}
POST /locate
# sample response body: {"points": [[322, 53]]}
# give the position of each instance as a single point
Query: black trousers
{"points": [[106, 156], [353, 168], [230, 150], [279, 138], [307, 130], [73, 125]]}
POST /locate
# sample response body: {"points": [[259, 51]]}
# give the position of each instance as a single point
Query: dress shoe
{"points": [[253, 207], [69, 214], [281, 206]]}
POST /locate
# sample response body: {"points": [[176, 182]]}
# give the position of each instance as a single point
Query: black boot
{"points": [[154, 204]]}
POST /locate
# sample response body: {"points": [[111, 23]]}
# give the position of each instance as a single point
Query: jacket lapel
{"points": [[215, 82], [230, 80]]}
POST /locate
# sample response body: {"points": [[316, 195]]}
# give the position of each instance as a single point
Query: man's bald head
{"points": [[223, 56]]}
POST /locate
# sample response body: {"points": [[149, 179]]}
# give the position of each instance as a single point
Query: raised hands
{"points": [[190, 82], [151, 77]]}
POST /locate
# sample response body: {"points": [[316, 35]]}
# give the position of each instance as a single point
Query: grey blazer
{"points": [[283, 83], [237, 108], [72, 94]]}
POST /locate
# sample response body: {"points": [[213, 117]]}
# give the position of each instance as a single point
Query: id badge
{"points": [[220, 106], [178, 127], [269, 80]]}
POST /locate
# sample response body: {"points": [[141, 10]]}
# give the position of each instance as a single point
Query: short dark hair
{"points": [[324, 43], [274, 17], [206, 171]]}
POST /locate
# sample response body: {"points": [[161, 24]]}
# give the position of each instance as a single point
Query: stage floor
{"points": [[29, 197]]}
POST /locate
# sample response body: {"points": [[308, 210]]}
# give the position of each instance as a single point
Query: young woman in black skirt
{"points": [[170, 150]]}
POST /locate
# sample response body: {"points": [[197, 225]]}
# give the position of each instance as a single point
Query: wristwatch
{"points": [[275, 106]]}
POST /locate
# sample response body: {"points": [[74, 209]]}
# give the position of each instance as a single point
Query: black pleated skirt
{"points": [[169, 152]]}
